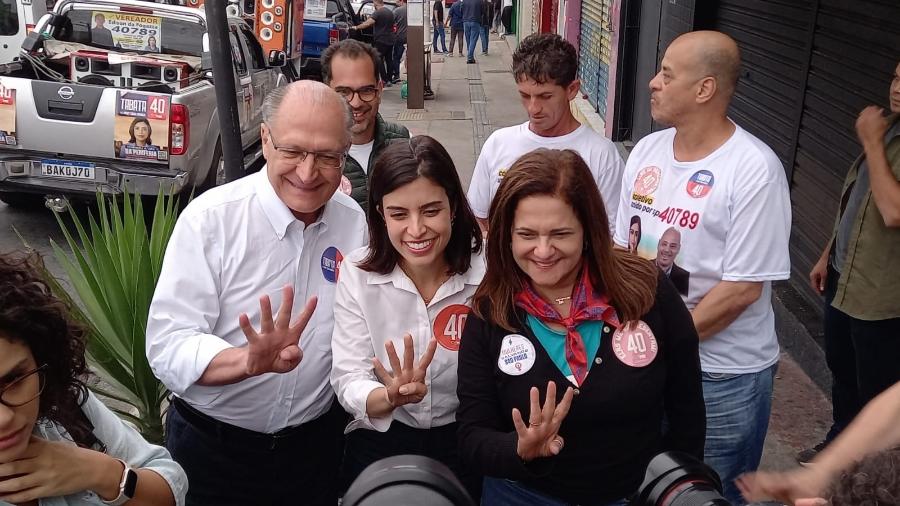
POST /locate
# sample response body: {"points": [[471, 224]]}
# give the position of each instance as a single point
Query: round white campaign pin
{"points": [[516, 355]]}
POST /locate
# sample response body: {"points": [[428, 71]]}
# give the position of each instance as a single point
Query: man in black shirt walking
{"points": [[382, 21]]}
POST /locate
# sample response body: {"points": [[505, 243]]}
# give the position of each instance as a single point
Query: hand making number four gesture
{"points": [[540, 438], [276, 347], [405, 384]]}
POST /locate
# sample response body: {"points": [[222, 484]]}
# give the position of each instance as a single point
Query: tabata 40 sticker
{"points": [[700, 184], [331, 264], [647, 180], [635, 345], [449, 324]]}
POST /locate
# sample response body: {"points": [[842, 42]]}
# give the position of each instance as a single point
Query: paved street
{"points": [[470, 102]]}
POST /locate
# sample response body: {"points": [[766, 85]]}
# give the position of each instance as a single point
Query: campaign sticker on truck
{"points": [[132, 32], [142, 127], [7, 116]]}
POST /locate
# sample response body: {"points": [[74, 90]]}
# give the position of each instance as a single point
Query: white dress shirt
{"points": [[371, 309], [230, 246]]}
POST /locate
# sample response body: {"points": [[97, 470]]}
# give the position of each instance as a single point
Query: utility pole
{"points": [[226, 94], [415, 59]]}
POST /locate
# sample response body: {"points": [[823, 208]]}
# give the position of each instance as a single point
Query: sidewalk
{"points": [[471, 101]]}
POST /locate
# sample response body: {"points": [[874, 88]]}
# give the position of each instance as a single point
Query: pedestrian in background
{"points": [[862, 296], [506, 17], [471, 16], [455, 22], [382, 23], [487, 18], [437, 28], [721, 194], [497, 6], [400, 25]]}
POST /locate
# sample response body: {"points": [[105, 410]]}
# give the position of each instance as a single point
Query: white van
{"points": [[17, 17]]}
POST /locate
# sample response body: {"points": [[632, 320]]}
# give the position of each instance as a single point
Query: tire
{"points": [[215, 176], [17, 200]]}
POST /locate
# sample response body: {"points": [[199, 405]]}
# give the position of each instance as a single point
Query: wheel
{"points": [[215, 176], [21, 200]]}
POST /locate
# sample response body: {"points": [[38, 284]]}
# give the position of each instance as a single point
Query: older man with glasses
{"points": [[253, 420], [350, 68]]}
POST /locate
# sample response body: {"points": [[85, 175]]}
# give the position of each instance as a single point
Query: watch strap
{"points": [[127, 486]]}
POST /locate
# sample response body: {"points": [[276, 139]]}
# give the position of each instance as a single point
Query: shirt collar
{"points": [[277, 212], [399, 279]]}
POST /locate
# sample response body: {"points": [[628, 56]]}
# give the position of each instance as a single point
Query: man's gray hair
{"points": [[314, 91]]}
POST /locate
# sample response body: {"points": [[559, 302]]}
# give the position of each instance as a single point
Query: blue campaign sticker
{"points": [[331, 264], [700, 184]]}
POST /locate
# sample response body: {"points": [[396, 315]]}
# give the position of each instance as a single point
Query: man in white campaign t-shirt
{"points": [[712, 200], [544, 66]]}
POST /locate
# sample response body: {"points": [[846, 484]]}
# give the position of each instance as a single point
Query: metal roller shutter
{"points": [[810, 66], [594, 49]]}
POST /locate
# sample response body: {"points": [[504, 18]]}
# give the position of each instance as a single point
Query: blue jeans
{"points": [[737, 418], [500, 492], [485, 35], [439, 33], [473, 30]]}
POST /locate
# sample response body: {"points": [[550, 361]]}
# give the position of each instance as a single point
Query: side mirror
{"points": [[277, 58]]}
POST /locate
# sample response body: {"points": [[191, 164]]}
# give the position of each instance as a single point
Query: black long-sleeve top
{"points": [[615, 423]]}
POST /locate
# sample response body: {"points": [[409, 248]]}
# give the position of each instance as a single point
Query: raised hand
{"points": [[540, 438], [405, 384], [871, 125], [276, 347]]}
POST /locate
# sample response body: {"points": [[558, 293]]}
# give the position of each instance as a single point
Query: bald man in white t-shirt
{"points": [[725, 194]]}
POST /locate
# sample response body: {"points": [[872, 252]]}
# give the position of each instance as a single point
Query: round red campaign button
{"points": [[636, 345], [449, 324]]}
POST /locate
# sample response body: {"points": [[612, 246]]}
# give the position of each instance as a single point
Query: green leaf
{"points": [[113, 265]]}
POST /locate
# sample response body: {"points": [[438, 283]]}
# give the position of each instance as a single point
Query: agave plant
{"points": [[113, 269]]}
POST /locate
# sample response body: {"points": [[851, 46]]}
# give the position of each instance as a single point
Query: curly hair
{"points": [[873, 481], [545, 57], [32, 315]]}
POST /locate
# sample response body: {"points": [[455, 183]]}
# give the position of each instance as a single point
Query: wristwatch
{"points": [[126, 487]]}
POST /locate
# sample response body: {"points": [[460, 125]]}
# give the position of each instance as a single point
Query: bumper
{"points": [[24, 175]]}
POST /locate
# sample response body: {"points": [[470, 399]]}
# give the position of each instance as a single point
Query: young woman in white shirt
{"points": [[400, 308], [59, 445]]}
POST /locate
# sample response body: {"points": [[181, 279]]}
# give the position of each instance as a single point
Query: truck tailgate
{"points": [[316, 37], [83, 121]]}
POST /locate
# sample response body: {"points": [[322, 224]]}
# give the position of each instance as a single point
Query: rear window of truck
{"points": [[133, 33], [9, 17]]}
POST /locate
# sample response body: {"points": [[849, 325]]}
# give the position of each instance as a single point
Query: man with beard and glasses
{"points": [[350, 68]]}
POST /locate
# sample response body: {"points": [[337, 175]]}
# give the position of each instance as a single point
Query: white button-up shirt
{"points": [[230, 246], [371, 309]]}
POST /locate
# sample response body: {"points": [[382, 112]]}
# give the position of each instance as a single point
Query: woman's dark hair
{"points": [[402, 162], [149, 130], [628, 280], [30, 314], [873, 481]]}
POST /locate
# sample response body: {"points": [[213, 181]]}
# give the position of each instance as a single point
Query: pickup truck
{"points": [[120, 97], [325, 22]]}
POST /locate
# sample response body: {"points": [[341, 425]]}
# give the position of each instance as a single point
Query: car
{"points": [[364, 11]]}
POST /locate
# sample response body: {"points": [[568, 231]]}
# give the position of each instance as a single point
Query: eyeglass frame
{"points": [[302, 154], [42, 382], [357, 92]]}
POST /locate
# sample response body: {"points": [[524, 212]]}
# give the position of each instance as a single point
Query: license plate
{"points": [[67, 169]]}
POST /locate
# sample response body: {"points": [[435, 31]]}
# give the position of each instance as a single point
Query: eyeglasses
{"points": [[321, 159], [22, 390], [366, 93]]}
